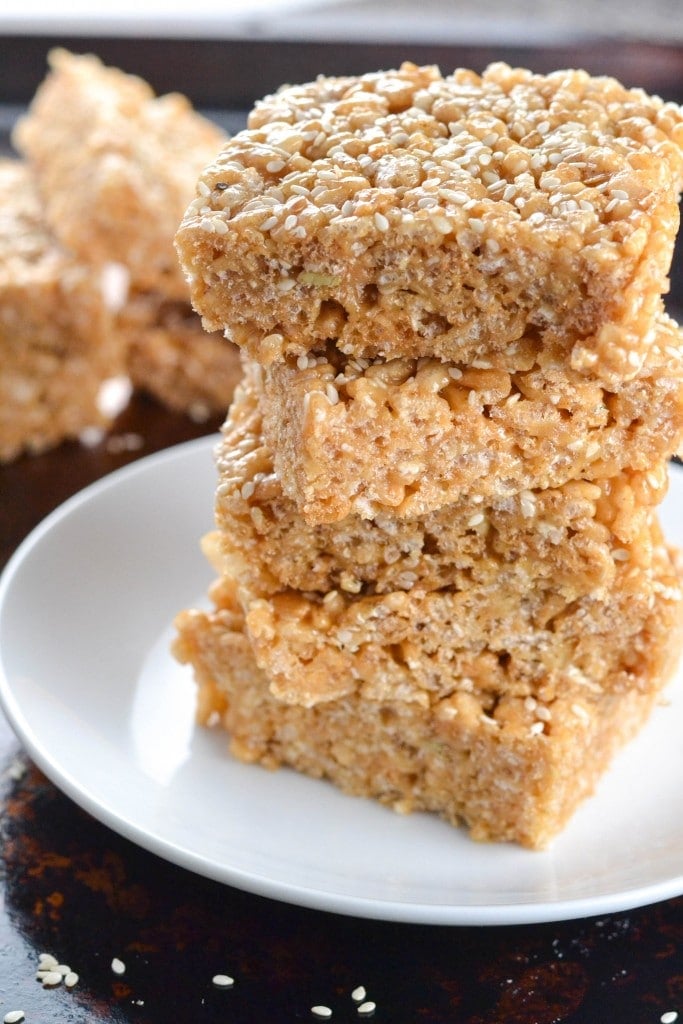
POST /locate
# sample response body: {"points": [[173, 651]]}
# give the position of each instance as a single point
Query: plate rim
{"points": [[453, 914]]}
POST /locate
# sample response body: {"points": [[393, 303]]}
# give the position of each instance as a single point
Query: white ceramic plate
{"points": [[88, 683]]}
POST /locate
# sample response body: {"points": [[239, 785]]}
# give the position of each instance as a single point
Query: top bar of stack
{"points": [[406, 214]]}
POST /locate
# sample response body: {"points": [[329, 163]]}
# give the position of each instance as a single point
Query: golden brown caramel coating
{"points": [[57, 343], [404, 213], [507, 771]]}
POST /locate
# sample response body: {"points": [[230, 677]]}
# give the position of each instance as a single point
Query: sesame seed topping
{"points": [[118, 966], [367, 1009], [323, 1012], [670, 1017], [14, 1017], [358, 994], [71, 979], [381, 222]]}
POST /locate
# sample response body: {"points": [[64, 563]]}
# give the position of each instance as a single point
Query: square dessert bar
{"points": [[498, 768], [404, 437], [573, 537], [116, 165], [406, 214], [509, 634], [57, 343], [171, 356]]}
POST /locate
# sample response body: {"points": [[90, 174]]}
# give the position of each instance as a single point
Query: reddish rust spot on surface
{"points": [[544, 994]]}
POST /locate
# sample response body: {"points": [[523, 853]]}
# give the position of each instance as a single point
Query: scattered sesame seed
{"points": [[476, 519], [381, 222], [667, 1018], [51, 979], [536, 729], [118, 966], [14, 1017], [367, 1009], [222, 981], [47, 960], [358, 994], [70, 979], [324, 1012]]}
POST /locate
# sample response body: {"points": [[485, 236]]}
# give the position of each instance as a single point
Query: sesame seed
{"points": [[536, 729], [70, 979], [51, 979], [290, 222], [620, 555], [476, 520], [118, 966], [550, 183], [324, 1012], [222, 981], [47, 960], [580, 712], [367, 1009], [358, 994], [269, 224], [247, 490], [537, 218], [273, 166], [14, 1017], [285, 284], [454, 372], [667, 1018], [381, 222]]}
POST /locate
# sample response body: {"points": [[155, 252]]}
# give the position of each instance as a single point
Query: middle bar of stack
{"points": [[438, 479]]}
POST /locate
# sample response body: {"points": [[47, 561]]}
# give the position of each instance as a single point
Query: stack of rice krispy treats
{"points": [[441, 580], [110, 169]]}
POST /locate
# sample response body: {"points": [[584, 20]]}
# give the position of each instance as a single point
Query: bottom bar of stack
{"points": [[504, 773], [483, 662]]}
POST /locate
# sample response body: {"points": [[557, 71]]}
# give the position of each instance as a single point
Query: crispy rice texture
{"points": [[515, 771], [57, 341], [116, 165], [171, 357], [405, 437], [408, 214], [574, 538]]}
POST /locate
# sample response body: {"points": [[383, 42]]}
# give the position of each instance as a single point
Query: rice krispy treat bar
{"points": [[512, 633], [57, 343], [171, 356], [504, 772], [116, 165], [572, 537], [403, 213], [407, 436]]}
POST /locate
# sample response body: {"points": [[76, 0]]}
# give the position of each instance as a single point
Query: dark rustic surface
{"points": [[70, 886]]}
